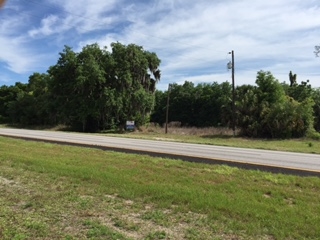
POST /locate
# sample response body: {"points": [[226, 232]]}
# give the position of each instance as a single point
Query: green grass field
{"points": [[49, 191]]}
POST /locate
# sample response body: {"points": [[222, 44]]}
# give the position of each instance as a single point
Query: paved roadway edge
{"points": [[231, 163]]}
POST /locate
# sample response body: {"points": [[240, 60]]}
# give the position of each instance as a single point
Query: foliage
{"points": [[97, 89], [299, 92], [159, 112], [316, 108], [266, 111], [8, 95], [200, 106], [27, 104], [89, 91]]}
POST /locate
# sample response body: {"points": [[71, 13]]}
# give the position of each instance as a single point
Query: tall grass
{"points": [[174, 128]]}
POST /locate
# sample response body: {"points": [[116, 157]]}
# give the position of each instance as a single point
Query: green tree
{"points": [[96, 89], [159, 111], [292, 78], [316, 108], [8, 94], [182, 98], [266, 111], [62, 86], [38, 88], [248, 113], [299, 92], [288, 119], [91, 86], [30, 104], [213, 104], [201, 106], [135, 74]]}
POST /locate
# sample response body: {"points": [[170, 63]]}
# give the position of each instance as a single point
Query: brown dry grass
{"points": [[175, 129]]}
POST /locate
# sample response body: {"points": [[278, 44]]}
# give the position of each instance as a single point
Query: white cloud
{"points": [[47, 26], [192, 38], [85, 15], [14, 55], [18, 59]]}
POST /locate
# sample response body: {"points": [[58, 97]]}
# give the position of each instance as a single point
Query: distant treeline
{"points": [[96, 90], [269, 109]]}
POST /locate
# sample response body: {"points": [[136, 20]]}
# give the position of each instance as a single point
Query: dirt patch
{"points": [[5, 181]]}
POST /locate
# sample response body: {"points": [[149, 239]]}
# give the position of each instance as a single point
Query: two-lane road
{"points": [[275, 161]]}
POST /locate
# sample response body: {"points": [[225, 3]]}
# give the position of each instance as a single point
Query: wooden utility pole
{"points": [[167, 111], [233, 95]]}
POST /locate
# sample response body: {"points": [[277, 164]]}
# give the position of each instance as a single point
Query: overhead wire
{"points": [[63, 11], [99, 23]]}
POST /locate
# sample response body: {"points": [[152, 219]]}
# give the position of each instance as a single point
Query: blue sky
{"points": [[192, 38]]}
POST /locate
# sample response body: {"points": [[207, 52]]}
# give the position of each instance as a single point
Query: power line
{"points": [[164, 50], [98, 23], [61, 10]]}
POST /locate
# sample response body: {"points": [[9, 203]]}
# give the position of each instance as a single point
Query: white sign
{"points": [[130, 125]]}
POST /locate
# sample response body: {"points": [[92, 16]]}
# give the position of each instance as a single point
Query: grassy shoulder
{"points": [[223, 137], [62, 192]]}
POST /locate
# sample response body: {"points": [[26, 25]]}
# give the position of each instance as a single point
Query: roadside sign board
{"points": [[130, 125]]}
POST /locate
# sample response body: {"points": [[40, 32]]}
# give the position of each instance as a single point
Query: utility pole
{"points": [[167, 111], [233, 95]]}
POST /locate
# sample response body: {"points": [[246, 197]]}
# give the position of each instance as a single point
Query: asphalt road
{"points": [[275, 161]]}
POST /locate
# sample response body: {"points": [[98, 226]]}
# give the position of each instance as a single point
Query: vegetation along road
{"points": [[275, 161]]}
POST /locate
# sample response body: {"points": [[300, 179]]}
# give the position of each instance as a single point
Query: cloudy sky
{"points": [[191, 37]]}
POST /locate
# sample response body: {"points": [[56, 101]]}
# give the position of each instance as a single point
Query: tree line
{"points": [[96, 89], [92, 90], [269, 109]]}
